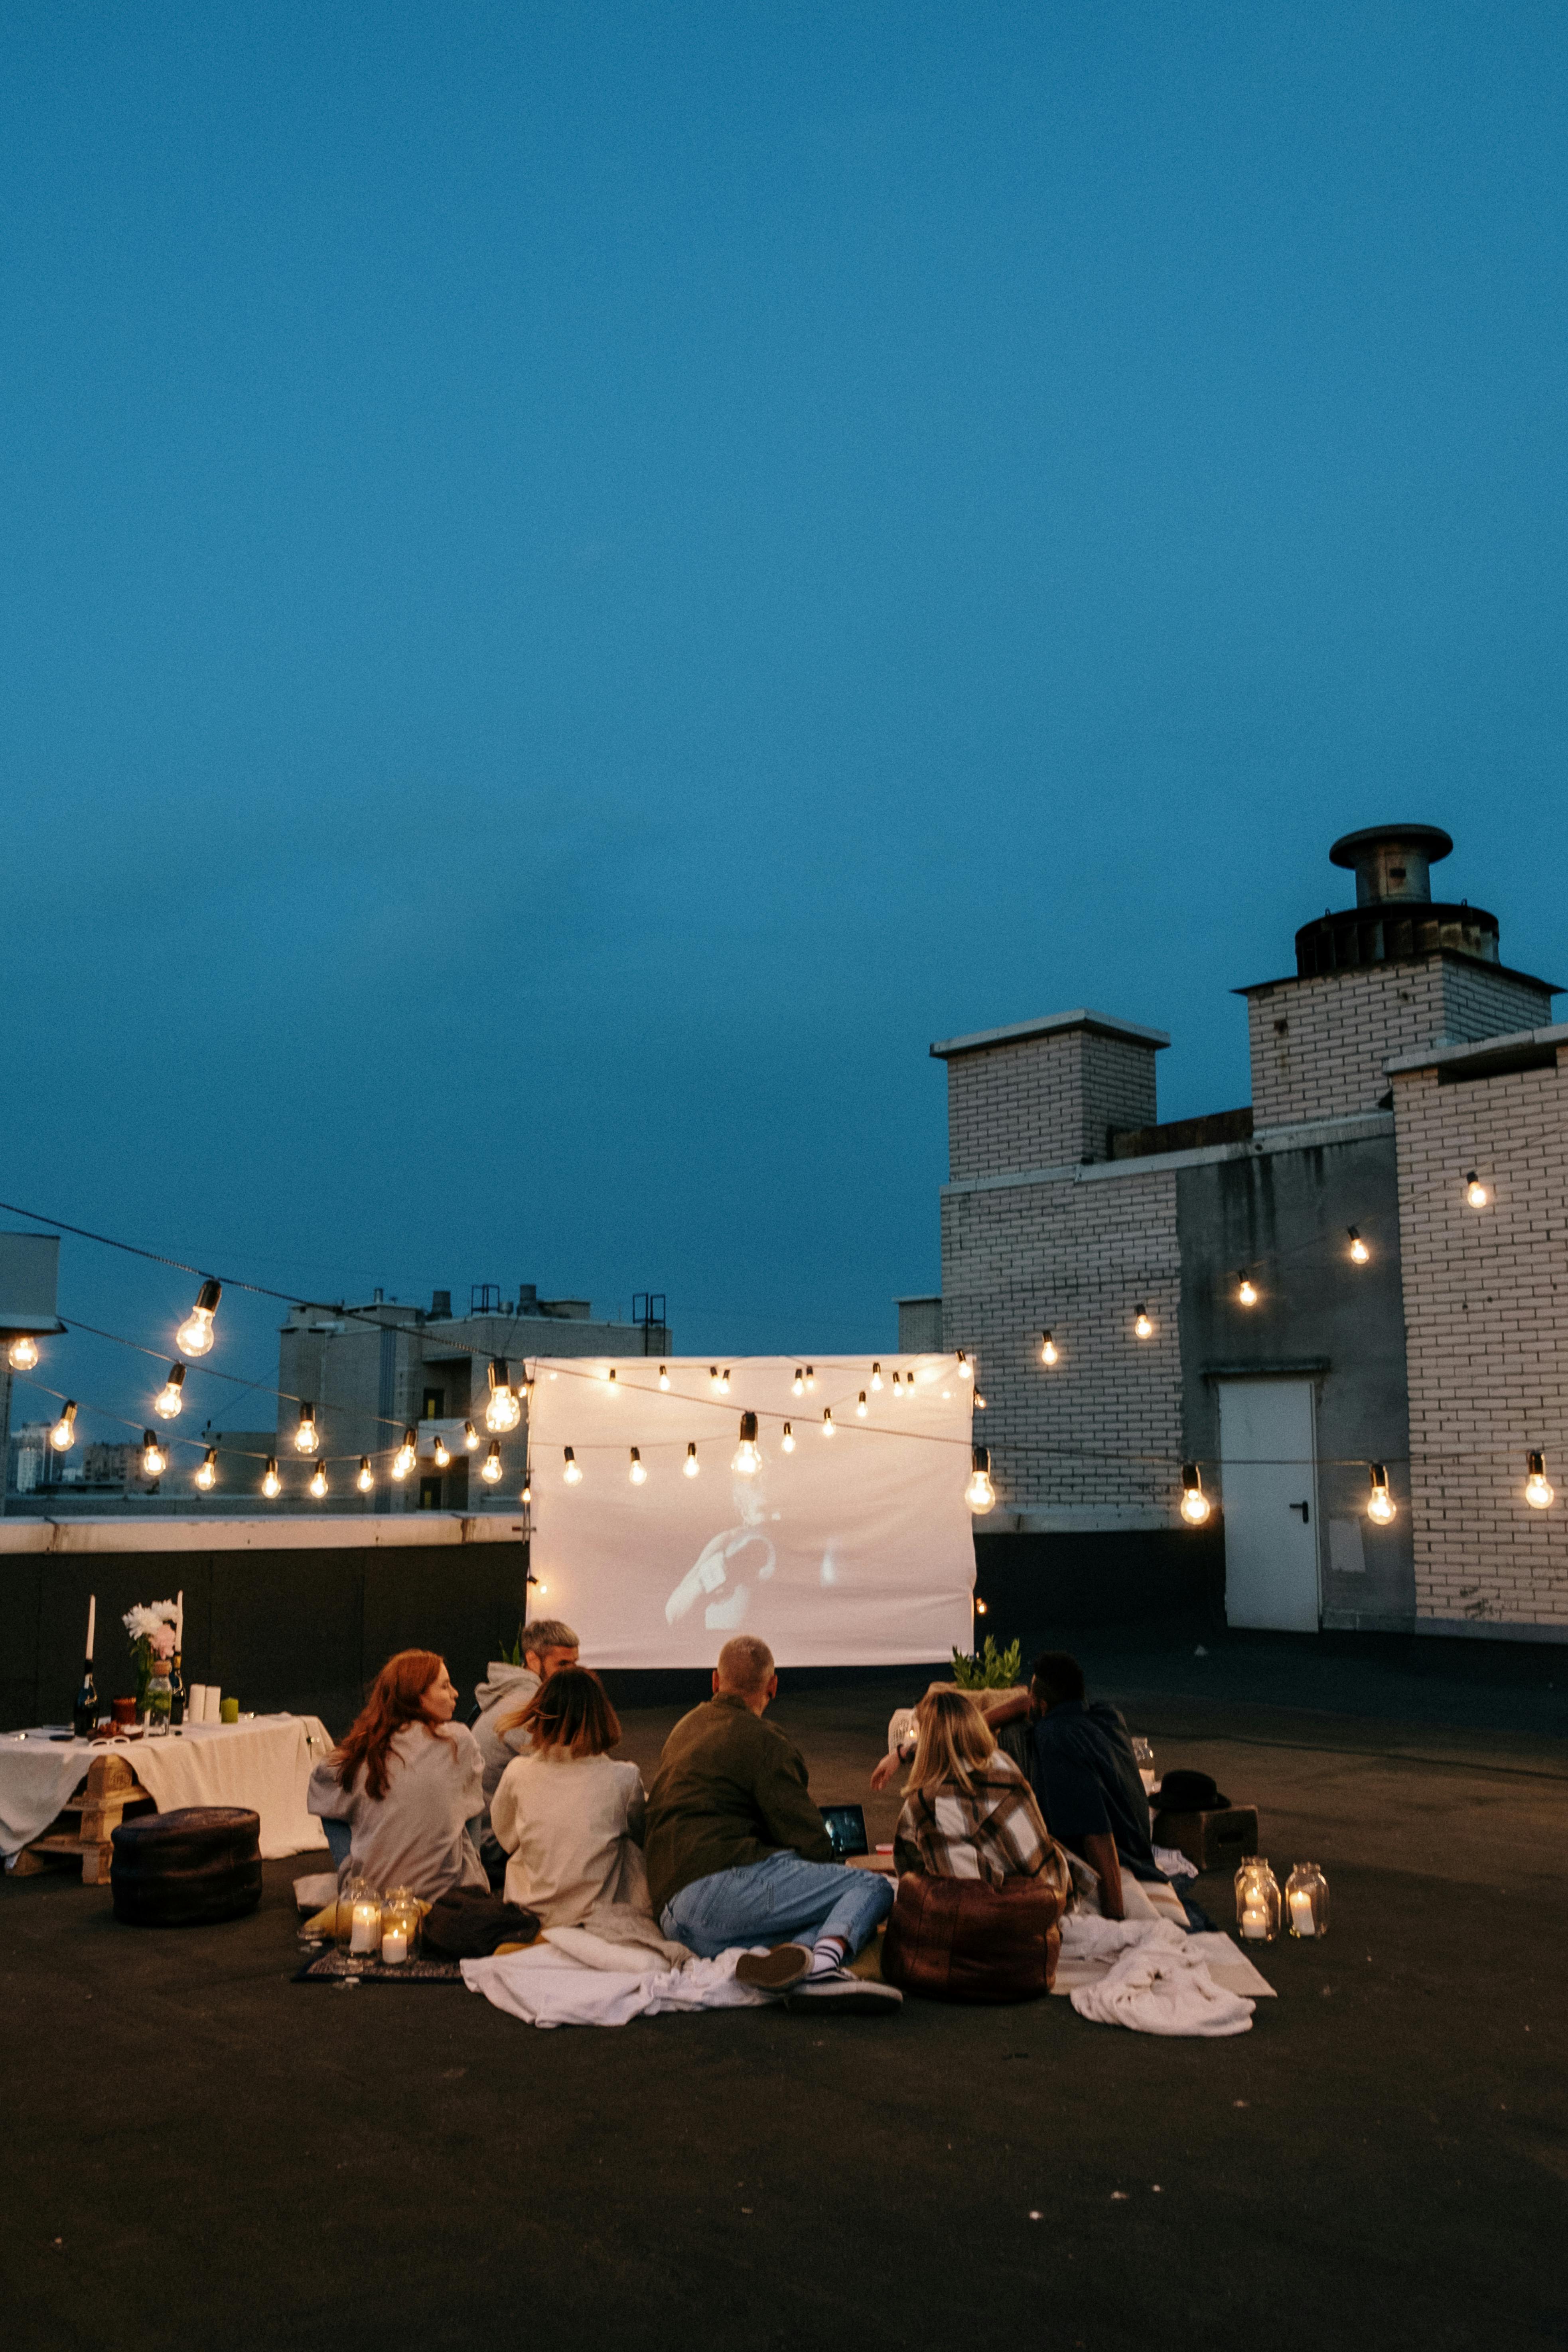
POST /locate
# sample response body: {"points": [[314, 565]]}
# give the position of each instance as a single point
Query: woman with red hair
{"points": [[407, 1781]]}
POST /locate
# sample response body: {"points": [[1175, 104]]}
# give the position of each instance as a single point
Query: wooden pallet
{"points": [[109, 1791]]}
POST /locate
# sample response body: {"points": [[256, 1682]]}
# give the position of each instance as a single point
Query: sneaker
{"points": [[773, 1971], [840, 1988]]}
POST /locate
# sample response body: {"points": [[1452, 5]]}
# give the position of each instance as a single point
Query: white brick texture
{"points": [[1044, 1102]]}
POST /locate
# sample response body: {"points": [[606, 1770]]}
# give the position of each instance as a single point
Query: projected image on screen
{"points": [[850, 1549]]}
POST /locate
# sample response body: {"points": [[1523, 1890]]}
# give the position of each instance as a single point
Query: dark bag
{"points": [[467, 1926], [964, 1939]]}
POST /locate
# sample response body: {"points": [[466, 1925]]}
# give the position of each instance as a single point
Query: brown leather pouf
{"points": [[187, 1869], [962, 1940]]}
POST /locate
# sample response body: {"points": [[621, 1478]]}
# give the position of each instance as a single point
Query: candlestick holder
{"points": [[1257, 1906], [1307, 1900]]}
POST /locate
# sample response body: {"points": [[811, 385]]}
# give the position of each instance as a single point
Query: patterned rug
{"points": [[332, 1965]]}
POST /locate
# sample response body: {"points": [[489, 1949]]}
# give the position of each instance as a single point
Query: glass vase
{"points": [[1257, 1906]]}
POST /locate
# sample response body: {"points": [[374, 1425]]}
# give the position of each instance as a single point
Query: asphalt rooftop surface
{"points": [[196, 2149]]}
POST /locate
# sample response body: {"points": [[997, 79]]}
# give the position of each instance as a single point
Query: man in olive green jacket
{"points": [[737, 1853]]}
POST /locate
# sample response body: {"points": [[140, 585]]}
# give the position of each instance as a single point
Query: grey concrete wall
{"points": [[1284, 1215]]}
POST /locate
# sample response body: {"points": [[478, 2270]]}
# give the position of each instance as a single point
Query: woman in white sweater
{"points": [[567, 1814]]}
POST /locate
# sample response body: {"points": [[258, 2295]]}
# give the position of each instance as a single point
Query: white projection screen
{"points": [[855, 1549]]}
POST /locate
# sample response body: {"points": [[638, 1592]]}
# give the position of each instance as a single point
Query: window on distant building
{"points": [[435, 1406], [430, 1494]]}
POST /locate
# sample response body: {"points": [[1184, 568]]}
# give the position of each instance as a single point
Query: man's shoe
{"points": [[840, 1988], [773, 1971]]}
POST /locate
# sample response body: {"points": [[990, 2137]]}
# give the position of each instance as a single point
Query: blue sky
{"points": [[580, 584]]}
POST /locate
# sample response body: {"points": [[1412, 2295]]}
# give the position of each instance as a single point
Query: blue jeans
{"points": [[779, 1900]]}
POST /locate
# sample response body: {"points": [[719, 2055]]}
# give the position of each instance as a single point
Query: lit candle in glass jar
{"points": [[395, 1945], [365, 1927], [1301, 1920], [1255, 1923]]}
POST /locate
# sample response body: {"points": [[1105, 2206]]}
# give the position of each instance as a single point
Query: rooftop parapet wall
{"points": [[1045, 1094]]}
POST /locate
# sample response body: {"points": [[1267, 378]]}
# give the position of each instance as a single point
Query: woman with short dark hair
{"points": [[568, 1814], [406, 1780]]}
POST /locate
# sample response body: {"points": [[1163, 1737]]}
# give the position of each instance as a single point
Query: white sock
{"points": [[828, 1954]]}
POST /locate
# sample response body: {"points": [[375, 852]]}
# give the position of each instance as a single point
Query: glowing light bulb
{"points": [[965, 1369], [367, 1477], [62, 1437], [713, 1378], [982, 1608], [206, 1476], [861, 1407], [1359, 1250], [786, 1443], [1476, 1192], [664, 1376], [306, 1437], [572, 1474], [980, 1494], [876, 1377], [1539, 1491], [489, 1468], [898, 1390], [539, 1588], [154, 1460], [979, 1401], [470, 1437], [746, 1459], [271, 1484], [170, 1396], [797, 1386], [1245, 1290], [195, 1336], [1195, 1505], [1049, 1351], [610, 1382], [724, 1381], [407, 1455], [810, 1378], [828, 1421], [689, 1466], [503, 1410], [637, 1473], [22, 1354], [318, 1481], [1143, 1327], [527, 1497], [1380, 1502], [442, 1452]]}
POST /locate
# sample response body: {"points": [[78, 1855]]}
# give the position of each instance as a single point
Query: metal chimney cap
{"points": [[1391, 862], [1352, 847]]}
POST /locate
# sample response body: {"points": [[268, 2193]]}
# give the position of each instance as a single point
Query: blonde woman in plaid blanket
{"points": [[969, 1812]]}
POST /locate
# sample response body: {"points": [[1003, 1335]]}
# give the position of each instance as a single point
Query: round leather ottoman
{"points": [[187, 1869]]}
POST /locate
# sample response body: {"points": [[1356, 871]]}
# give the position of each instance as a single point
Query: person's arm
{"points": [[325, 1796], [506, 1822], [888, 1770], [788, 1814], [636, 1811], [1100, 1852], [1011, 1710]]}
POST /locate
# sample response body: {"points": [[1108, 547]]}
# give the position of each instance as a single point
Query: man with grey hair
{"points": [[547, 1644], [737, 1853]]}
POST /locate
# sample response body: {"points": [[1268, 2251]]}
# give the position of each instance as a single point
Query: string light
{"points": [[1359, 1250], [664, 1376], [861, 1409], [206, 1476], [407, 1455], [610, 1382], [154, 1460], [898, 1390], [786, 1443], [470, 1437], [442, 1453], [1143, 1328], [503, 1410], [797, 1386], [527, 1493], [965, 1369], [810, 1378], [572, 1474], [828, 1421], [1380, 1504], [637, 1473], [1476, 1192], [876, 1377], [980, 1494], [713, 1378], [746, 1459], [1245, 1290], [1049, 1351], [306, 1438], [22, 1354], [366, 1480], [1539, 1491], [318, 1481], [982, 1608], [170, 1396], [690, 1466], [979, 1401], [62, 1437], [489, 1468], [724, 1383], [195, 1336], [271, 1484], [1196, 1503]]}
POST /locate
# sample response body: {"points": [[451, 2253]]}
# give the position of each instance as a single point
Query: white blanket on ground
{"points": [[574, 1978], [1159, 1979]]}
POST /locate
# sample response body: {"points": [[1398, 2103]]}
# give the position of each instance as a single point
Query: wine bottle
{"points": [[176, 1693], [84, 1715]]}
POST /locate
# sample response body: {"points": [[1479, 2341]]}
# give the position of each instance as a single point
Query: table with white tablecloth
{"points": [[264, 1763]]}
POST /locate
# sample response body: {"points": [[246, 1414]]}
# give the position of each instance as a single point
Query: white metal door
{"points": [[1269, 1480]]}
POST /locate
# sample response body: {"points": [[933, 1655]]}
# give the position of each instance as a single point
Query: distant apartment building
{"points": [[1363, 1267]]}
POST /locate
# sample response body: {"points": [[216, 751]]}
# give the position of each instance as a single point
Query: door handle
{"points": [[1305, 1509]]}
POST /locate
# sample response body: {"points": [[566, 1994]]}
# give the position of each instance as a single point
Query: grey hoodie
{"points": [[504, 1689]]}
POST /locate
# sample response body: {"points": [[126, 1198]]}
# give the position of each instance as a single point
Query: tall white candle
{"points": [[91, 1622], [365, 1927], [1302, 1917], [180, 1621]]}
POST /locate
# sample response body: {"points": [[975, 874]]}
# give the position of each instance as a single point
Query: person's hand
{"points": [[884, 1771]]}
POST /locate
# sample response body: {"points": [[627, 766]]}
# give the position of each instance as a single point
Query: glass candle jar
{"points": [[1307, 1900], [399, 1926], [1143, 1756], [359, 1919], [1257, 1906]]}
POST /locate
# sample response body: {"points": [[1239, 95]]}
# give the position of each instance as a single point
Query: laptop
{"points": [[846, 1826]]}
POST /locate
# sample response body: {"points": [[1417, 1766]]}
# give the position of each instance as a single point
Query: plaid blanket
{"points": [[991, 1830]]}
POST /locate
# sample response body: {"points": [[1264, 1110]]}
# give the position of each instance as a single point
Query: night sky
{"points": [[580, 584]]}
